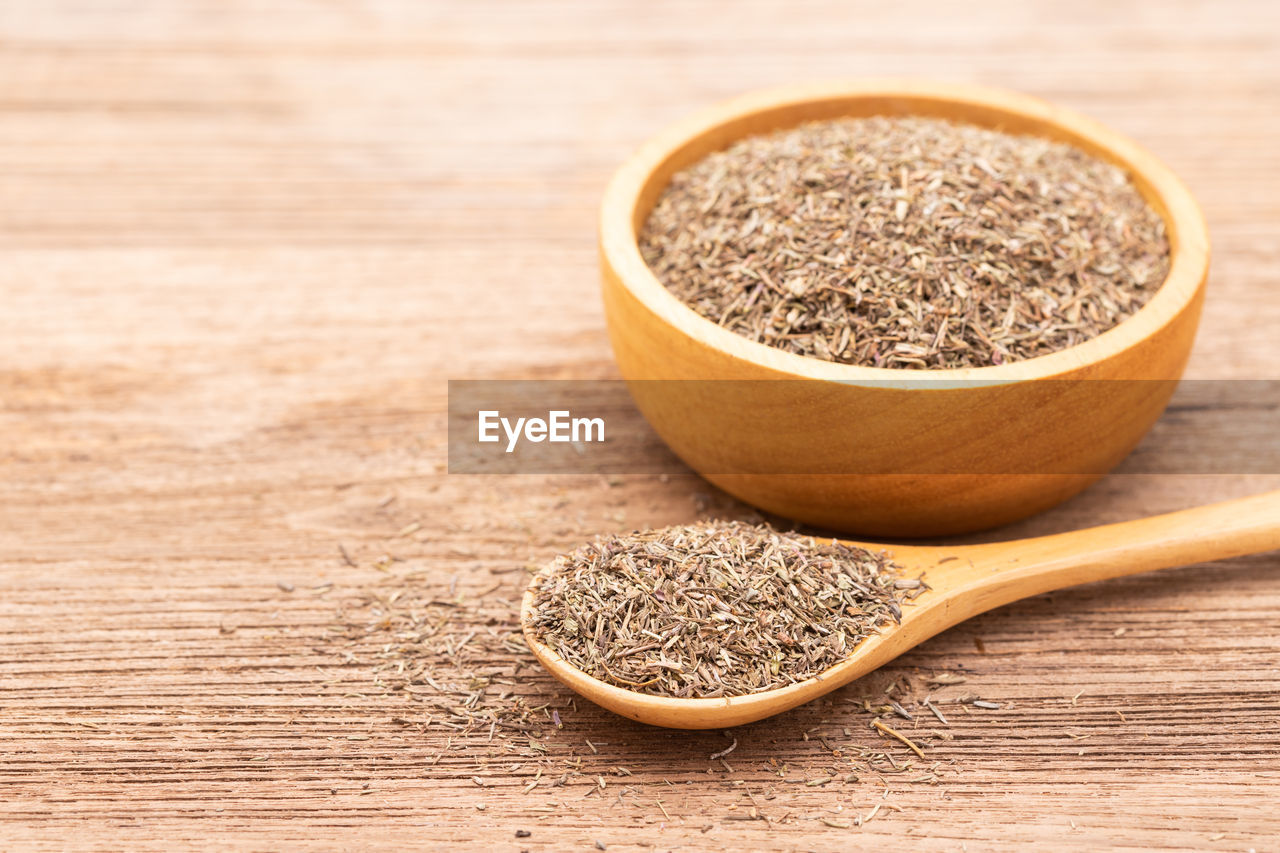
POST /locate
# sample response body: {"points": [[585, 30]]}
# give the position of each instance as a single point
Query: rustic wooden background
{"points": [[244, 246]]}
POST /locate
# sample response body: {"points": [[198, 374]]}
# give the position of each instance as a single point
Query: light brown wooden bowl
{"points": [[1001, 445]]}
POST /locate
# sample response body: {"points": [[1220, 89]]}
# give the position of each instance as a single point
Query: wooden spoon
{"points": [[965, 581]]}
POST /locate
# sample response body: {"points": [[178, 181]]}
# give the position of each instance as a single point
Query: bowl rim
{"points": [[1184, 224]]}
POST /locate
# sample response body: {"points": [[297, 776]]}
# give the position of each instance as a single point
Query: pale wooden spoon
{"points": [[965, 580]]}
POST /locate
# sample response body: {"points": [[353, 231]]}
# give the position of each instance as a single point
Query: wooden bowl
{"points": [[899, 453]]}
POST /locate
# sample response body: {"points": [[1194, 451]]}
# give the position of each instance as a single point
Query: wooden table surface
{"points": [[245, 244]]}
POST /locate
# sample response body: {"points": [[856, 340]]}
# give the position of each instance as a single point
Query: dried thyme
{"points": [[907, 243], [713, 609]]}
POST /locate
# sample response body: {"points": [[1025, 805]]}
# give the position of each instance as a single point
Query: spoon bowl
{"points": [[965, 581]]}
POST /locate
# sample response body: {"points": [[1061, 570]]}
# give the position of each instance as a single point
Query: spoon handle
{"points": [[1033, 566]]}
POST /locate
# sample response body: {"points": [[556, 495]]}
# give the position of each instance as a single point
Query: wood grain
{"points": [[245, 245]]}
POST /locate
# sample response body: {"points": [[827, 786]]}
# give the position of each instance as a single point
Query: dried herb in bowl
{"points": [[715, 608], [907, 242]]}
